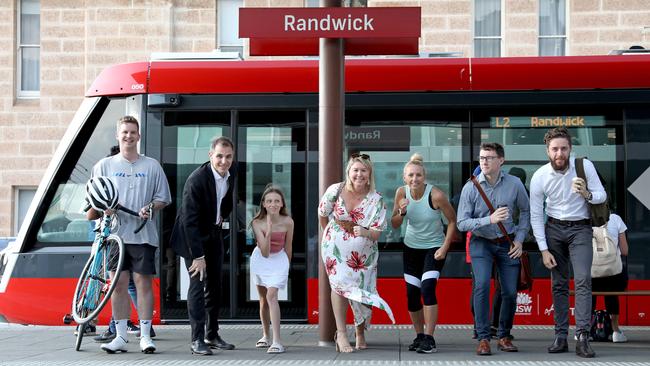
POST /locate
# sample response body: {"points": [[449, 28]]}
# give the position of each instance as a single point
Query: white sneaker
{"points": [[117, 345], [147, 345], [619, 337]]}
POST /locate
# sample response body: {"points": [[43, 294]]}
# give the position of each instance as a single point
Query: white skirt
{"points": [[272, 271]]}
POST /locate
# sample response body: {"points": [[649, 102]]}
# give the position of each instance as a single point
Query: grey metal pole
{"points": [[331, 108]]}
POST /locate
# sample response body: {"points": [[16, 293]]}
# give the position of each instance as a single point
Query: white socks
{"points": [[145, 328], [120, 328]]}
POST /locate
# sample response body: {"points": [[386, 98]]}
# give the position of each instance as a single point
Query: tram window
{"points": [[521, 132], [391, 142], [65, 221], [186, 142]]}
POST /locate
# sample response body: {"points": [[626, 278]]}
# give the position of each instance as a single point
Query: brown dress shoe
{"points": [[505, 345], [483, 348]]}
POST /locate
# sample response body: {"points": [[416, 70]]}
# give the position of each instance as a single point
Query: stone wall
{"points": [[79, 38]]}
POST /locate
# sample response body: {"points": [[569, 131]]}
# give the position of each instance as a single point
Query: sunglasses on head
{"points": [[362, 156]]}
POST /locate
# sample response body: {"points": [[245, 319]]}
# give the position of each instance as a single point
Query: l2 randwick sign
{"points": [[295, 31]]}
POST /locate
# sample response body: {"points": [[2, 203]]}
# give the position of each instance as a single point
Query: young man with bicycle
{"points": [[142, 187]]}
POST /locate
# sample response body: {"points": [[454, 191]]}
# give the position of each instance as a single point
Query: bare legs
{"points": [[615, 325], [120, 300], [340, 309], [264, 312], [270, 312], [427, 316], [145, 294], [361, 337], [430, 318], [417, 318], [274, 310]]}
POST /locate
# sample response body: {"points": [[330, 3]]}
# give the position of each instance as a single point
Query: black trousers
{"points": [[204, 297], [611, 283]]}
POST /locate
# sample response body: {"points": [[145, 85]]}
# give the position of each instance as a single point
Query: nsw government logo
{"points": [[524, 303]]}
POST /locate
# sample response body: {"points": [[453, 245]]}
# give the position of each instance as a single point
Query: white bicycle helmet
{"points": [[101, 193]]}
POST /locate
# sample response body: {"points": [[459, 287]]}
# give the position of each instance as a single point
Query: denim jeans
{"points": [[484, 253]]}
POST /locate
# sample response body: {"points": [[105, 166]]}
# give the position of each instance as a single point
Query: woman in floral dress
{"points": [[353, 216]]}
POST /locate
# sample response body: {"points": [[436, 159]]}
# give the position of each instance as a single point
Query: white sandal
{"points": [[276, 348], [262, 343]]}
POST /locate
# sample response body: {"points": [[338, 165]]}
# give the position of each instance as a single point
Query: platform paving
{"points": [[53, 346]]}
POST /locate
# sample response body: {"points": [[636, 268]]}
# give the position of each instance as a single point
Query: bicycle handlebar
{"points": [[130, 212]]}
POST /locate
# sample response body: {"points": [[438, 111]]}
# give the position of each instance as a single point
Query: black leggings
{"points": [[612, 283], [421, 273]]}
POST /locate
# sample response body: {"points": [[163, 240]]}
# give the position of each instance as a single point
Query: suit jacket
{"points": [[198, 212]]}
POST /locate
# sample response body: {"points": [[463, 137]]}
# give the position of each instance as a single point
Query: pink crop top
{"points": [[277, 241]]}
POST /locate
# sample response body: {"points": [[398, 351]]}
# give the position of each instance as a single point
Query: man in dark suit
{"points": [[197, 237]]}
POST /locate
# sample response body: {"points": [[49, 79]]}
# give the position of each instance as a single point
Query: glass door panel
{"points": [[186, 142], [391, 137], [270, 149]]}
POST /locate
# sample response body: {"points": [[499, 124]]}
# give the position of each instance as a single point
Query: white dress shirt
{"points": [[221, 185], [554, 188]]}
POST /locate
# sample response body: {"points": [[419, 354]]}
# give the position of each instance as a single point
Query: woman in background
{"points": [[616, 229]]}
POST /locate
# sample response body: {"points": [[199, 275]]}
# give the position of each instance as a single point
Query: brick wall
{"points": [[79, 38], [521, 24], [599, 26]]}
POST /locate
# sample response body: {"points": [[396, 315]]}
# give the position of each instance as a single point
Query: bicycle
{"points": [[95, 285]]}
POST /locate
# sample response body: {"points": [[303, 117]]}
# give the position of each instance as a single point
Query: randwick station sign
{"points": [[295, 31], [291, 24]]}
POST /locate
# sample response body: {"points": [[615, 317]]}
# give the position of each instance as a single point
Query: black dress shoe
{"points": [[559, 345], [199, 347], [217, 342], [583, 349]]}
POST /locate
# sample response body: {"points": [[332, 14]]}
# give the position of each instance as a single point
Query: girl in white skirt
{"points": [[273, 228]]}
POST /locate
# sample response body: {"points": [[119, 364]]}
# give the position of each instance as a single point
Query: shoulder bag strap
{"points": [[491, 208], [580, 169]]}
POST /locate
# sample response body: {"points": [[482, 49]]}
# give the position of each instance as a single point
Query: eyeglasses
{"points": [[487, 158], [362, 156]]}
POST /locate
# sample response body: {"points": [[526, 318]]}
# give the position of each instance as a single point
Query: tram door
{"points": [[269, 148], [186, 137]]}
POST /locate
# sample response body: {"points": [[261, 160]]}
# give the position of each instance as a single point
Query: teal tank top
{"points": [[424, 224]]}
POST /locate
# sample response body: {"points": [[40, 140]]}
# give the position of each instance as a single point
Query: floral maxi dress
{"points": [[350, 261]]}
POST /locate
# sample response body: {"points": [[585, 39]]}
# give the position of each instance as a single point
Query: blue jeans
{"points": [[133, 293], [484, 254]]}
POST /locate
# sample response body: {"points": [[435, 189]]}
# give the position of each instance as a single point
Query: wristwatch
{"points": [[590, 196]]}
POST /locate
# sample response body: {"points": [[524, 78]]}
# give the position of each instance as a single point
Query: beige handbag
{"points": [[606, 260]]}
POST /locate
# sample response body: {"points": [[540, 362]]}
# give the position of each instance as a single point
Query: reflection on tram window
{"points": [[65, 220], [441, 146], [596, 136]]}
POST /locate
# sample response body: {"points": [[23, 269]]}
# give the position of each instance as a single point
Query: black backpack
{"points": [[601, 326]]}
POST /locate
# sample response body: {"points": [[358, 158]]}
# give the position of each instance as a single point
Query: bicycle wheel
{"points": [[81, 329], [95, 284]]}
